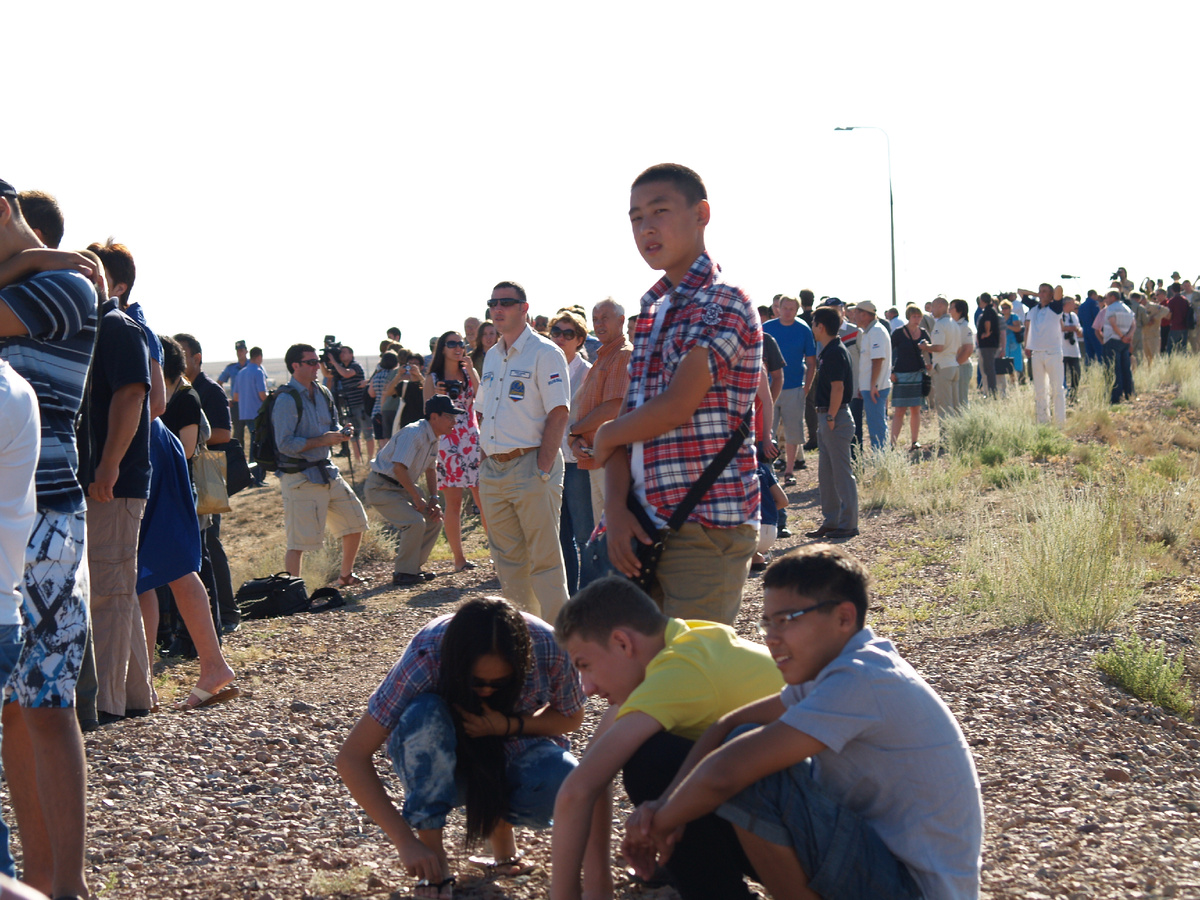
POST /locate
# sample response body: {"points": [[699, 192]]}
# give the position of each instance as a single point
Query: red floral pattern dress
{"points": [[458, 451]]}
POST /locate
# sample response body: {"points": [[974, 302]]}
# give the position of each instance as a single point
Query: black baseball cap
{"points": [[240, 345], [6, 189], [442, 404]]}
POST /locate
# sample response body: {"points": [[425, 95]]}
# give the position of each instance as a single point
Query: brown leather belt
{"points": [[512, 454]]}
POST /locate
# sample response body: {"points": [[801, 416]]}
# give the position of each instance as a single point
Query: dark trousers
{"points": [[856, 410], [810, 416], [708, 863], [1116, 354], [1071, 366], [219, 581]]}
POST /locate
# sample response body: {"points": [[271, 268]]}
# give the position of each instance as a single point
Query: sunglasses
{"points": [[496, 685], [310, 362], [569, 333], [503, 301], [454, 344]]}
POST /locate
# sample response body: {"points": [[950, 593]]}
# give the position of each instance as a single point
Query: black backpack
{"points": [[282, 594], [266, 454]]}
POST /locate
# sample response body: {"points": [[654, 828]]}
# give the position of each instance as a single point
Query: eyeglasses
{"points": [[569, 333], [497, 684], [503, 301], [776, 622], [310, 362], [455, 344]]}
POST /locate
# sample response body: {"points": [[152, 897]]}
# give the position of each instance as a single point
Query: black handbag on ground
{"points": [[282, 594], [648, 555]]}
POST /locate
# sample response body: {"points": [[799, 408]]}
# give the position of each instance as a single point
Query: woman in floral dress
{"points": [[451, 373]]}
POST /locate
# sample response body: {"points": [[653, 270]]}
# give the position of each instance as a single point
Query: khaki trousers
{"points": [[945, 389], [122, 668], [597, 496], [417, 533], [703, 571], [522, 513]]}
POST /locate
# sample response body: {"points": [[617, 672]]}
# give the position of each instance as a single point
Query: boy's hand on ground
{"points": [[421, 862], [489, 724], [623, 529], [638, 846]]}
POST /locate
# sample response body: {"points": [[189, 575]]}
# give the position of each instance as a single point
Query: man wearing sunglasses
{"points": [[312, 487], [524, 399]]}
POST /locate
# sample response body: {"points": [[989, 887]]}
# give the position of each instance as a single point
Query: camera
{"points": [[1070, 336], [331, 351], [454, 389]]}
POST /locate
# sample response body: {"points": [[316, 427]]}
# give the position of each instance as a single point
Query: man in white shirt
{"points": [[944, 341], [1116, 333], [874, 370], [1072, 341], [523, 406], [1044, 350]]}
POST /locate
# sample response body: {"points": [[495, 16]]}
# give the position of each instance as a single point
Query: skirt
{"points": [[907, 390]]}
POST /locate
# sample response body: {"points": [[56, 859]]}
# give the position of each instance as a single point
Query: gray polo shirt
{"points": [[414, 446]]}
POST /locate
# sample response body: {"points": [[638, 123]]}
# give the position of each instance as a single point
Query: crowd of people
{"points": [[625, 479]]}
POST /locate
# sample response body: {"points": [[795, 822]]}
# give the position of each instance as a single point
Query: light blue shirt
{"points": [[293, 429], [247, 384]]}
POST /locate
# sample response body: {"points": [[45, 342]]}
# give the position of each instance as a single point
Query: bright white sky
{"points": [[286, 170]]}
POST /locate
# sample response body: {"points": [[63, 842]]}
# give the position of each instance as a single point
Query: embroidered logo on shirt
{"points": [[516, 390], [555, 378], [711, 314], [517, 373], [487, 376]]}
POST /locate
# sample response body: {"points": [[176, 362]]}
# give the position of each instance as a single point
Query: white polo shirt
{"points": [[874, 343], [947, 334], [519, 387], [1043, 330]]}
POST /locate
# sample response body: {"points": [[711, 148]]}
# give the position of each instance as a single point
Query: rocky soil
{"points": [[1088, 792]]}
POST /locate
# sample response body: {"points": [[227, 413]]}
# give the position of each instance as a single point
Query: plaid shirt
{"points": [[552, 679], [711, 313]]}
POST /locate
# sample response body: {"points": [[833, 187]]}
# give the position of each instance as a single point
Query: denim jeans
{"points": [[875, 412], [11, 644], [423, 751], [575, 526], [1116, 354]]}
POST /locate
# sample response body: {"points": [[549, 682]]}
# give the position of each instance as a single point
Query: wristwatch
{"points": [[828, 418], [545, 476]]}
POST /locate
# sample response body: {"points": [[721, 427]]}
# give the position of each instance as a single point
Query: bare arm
{"points": [[220, 436], [776, 384], [552, 435], [357, 770], [157, 397], [836, 389], [605, 412], [810, 372], [124, 416], [41, 259], [188, 436]]}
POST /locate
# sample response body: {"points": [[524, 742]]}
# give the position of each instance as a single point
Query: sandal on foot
{"points": [[204, 698], [492, 866], [439, 886], [467, 565], [350, 580]]}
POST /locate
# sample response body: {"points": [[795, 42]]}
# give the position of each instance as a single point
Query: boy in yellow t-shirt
{"points": [[666, 680]]}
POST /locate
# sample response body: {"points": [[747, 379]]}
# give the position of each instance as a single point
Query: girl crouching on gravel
{"points": [[475, 709]]}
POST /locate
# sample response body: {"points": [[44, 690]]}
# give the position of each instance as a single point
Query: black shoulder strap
{"points": [[712, 471]]}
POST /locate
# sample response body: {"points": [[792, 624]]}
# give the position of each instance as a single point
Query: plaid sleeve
{"points": [[562, 682], [728, 328], [415, 673]]}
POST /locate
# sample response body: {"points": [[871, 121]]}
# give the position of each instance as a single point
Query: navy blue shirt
{"points": [[833, 364], [122, 358]]}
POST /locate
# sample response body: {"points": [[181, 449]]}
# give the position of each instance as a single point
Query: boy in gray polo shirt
{"points": [[392, 487], [855, 781]]}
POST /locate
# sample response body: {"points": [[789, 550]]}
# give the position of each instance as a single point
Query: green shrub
{"points": [[1144, 671], [991, 456], [1008, 476], [1006, 425], [1168, 466], [1049, 442]]}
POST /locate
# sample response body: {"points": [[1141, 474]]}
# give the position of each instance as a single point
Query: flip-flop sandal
{"points": [[206, 699], [351, 580], [467, 565], [438, 885], [492, 866]]}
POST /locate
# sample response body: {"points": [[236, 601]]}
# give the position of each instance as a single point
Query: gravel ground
{"points": [[1088, 792]]}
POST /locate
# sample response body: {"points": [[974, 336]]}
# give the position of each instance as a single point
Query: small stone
{"points": [[1119, 775]]}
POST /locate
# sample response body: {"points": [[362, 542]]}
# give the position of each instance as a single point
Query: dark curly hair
{"points": [[486, 625]]}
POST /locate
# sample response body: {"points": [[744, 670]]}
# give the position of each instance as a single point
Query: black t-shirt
{"points": [[122, 358], [183, 409], [988, 315], [833, 364], [414, 403], [906, 357], [213, 401], [771, 354]]}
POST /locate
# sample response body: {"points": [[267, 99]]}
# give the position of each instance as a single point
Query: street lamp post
{"points": [[891, 202]]}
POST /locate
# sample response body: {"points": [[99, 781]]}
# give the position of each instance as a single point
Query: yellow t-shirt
{"points": [[704, 671]]}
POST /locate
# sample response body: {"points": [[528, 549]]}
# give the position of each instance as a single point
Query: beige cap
{"points": [[866, 306]]}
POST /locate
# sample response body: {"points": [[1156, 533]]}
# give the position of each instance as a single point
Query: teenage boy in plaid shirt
{"points": [[697, 357]]}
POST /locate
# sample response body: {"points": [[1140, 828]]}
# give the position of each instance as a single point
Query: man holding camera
{"points": [[305, 423], [348, 386]]}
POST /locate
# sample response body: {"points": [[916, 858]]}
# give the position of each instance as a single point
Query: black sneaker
{"points": [[404, 579], [810, 446]]}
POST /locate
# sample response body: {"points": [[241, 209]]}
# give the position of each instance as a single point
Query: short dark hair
{"points": [[396, 330], [512, 285], [961, 306], [828, 318], [255, 351], [41, 212], [807, 298], [118, 263], [605, 604], [986, 298], [766, 312], [683, 179], [189, 342], [823, 572], [294, 353], [173, 365], [389, 360]]}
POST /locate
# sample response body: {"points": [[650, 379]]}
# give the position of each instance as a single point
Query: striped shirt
{"points": [[552, 679], [705, 311], [58, 309]]}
